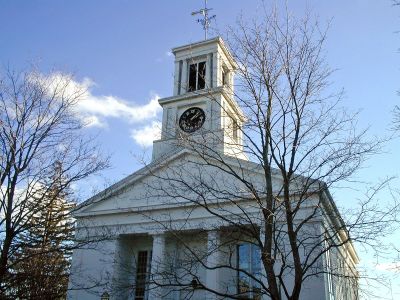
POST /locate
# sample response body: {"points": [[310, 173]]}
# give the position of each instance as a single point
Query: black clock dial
{"points": [[192, 119]]}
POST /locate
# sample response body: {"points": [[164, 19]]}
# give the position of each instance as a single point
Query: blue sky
{"points": [[120, 51]]}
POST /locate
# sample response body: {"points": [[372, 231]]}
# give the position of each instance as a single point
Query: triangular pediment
{"points": [[136, 191], [110, 198]]}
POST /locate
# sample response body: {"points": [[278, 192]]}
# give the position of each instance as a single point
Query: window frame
{"points": [[251, 293], [224, 75], [235, 129], [196, 63], [145, 283], [233, 126]]}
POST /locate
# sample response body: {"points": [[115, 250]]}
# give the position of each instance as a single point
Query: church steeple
{"points": [[202, 101], [210, 59]]}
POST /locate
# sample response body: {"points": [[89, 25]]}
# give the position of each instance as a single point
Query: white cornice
{"points": [[208, 93], [218, 40], [336, 219], [191, 95]]}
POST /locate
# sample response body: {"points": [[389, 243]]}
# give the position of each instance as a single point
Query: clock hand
{"points": [[195, 116]]}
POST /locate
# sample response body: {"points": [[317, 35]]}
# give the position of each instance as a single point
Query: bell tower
{"points": [[203, 103]]}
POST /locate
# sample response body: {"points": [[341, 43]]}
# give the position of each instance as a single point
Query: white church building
{"points": [[183, 227]]}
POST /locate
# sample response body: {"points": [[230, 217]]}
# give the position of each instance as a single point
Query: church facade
{"points": [[184, 226]]}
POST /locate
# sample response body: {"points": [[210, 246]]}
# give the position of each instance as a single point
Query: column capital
{"points": [[155, 233]]}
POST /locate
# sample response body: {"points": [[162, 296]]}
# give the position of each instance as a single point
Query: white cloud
{"points": [[61, 84], [168, 53], [94, 121], [146, 135], [94, 110], [110, 106], [93, 107]]}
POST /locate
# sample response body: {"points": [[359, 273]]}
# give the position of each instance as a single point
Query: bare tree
{"points": [[396, 121], [300, 142], [39, 128]]}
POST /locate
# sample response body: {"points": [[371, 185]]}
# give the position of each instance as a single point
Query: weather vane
{"points": [[205, 21]]}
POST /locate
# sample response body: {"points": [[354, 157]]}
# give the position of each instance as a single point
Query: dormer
{"points": [[202, 107]]}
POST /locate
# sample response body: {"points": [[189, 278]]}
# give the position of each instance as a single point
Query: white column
{"points": [[213, 243], [121, 278], [176, 78], [94, 261], [208, 71], [164, 123], [216, 69], [157, 264], [184, 79]]}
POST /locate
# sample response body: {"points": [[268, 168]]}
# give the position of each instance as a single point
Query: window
{"points": [[197, 76], [142, 274], [224, 76], [233, 127], [249, 261]]}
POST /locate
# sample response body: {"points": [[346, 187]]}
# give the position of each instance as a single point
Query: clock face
{"points": [[192, 119]]}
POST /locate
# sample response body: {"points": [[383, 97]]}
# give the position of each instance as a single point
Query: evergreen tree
{"points": [[41, 266]]}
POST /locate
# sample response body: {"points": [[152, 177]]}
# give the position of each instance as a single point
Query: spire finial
{"points": [[205, 21]]}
